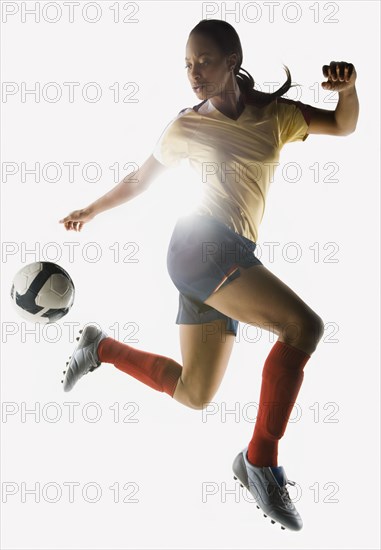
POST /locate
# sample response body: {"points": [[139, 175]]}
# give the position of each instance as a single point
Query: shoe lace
{"points": [[283, 492]]}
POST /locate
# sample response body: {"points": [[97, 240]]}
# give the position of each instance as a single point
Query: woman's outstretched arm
{"points": [[130, 186]]}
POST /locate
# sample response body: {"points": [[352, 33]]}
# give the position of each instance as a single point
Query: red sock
{"points": [[282, 377], [159, 372]]}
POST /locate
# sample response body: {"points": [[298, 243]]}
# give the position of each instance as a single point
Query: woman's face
{"points": [[209, 71]]}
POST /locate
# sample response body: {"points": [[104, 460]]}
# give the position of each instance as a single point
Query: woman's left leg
{"points": [[205, 348]]}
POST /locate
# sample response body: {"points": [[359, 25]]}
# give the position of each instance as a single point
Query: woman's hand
{"points": [[341, 76], [75, 220]]}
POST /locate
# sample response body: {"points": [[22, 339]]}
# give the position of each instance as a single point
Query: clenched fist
{"points": [[341, 76]]}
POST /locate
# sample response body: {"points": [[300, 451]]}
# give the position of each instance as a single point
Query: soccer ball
{"points": [[42, 292]]}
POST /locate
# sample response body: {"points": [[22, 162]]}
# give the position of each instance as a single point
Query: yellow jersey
{"points": [[236, 159]]}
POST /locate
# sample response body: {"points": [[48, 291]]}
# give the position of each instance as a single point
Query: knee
{"points": [[307, 328], [199, 401], [313, 326]]}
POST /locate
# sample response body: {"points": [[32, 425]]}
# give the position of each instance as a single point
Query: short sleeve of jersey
{"points": [[293, 119], [172, 145]]}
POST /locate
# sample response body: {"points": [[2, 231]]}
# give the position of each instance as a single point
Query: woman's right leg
{"points": [[258, 297]]}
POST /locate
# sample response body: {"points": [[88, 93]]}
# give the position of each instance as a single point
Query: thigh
{"points": [[206, 349], [260, 298]]}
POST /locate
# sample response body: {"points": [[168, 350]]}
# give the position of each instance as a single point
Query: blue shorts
{"points": [[203, 255]]}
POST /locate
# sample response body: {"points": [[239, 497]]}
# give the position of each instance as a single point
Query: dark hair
{"points": [[227, 40]]}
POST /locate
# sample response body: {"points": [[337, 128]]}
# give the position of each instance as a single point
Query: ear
{"points": [[232, 61]]}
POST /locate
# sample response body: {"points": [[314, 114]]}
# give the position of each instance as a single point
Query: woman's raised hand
{"points": [[341, 76], [76, 219]]}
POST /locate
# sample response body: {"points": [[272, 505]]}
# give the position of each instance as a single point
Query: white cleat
{"points": [[270, 496], [85, 358]]}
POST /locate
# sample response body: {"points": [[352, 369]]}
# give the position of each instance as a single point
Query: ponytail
{"points": [[246, 85]]}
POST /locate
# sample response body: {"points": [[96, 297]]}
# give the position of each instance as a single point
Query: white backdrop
{"points": [[114, 464]]}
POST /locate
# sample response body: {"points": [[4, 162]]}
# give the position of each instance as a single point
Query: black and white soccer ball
{"points": [[42, 292]]}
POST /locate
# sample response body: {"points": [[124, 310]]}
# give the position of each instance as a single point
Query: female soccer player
{"points": [[231, 138]]}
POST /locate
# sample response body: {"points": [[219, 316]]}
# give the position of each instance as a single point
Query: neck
{"points": [[230, 102]]}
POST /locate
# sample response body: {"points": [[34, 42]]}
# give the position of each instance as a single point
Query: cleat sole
{"points": [[264, 515]]}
